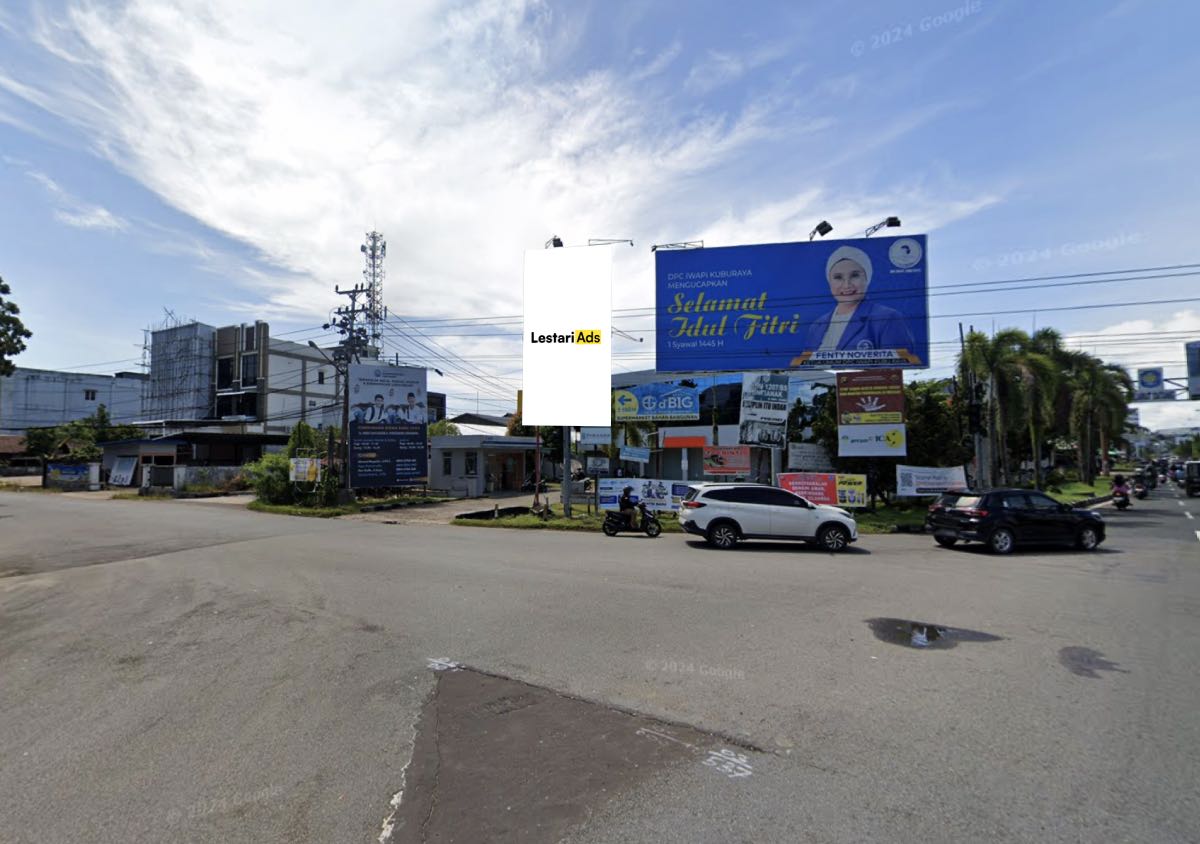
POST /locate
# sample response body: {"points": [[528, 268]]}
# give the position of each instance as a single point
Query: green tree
{"points": [[13, 332], [445, 428], [304, 441], [996, 362]]}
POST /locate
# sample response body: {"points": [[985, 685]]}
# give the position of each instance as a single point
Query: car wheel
{"points": [[653, 528], [1088, 539], [722, 535], [833, 538], [1001, 541], [610, 529], [945, 541]]}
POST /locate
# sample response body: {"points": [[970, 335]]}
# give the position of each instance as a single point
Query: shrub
{"points": [[268, 476]]}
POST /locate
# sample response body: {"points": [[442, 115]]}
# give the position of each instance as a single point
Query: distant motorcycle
{"points": [[615, 522], [1140, 491], [1121, 500]]}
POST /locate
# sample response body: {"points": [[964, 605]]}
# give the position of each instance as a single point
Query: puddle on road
{"points": [[1086, 662], [500, 760], [899, 631]]}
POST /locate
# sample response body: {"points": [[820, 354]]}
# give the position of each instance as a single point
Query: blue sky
{"points": [[223, 160]]}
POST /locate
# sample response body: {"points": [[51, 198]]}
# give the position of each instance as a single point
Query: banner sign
{"points": [[1192, 352], [1150, 386], [305, 470], [122, 471], [597, 466], [827, 488], [764, 410], [567, 336], [589, 436], [658, 494], [929, 480], [872, 441], [388, 426], [634, 454], [871, 397], [808, 457], [826, 304], [657, 403], [727, 460]]}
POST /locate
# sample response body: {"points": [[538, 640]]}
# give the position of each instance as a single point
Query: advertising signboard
{"points": [[826, 304], [305, 470], [597, 465], [1150, 386], [657, 403], [388, 426], [929, 480], [873, 397], [122, 471], [764, 413], [727, 460], [808, 457], [872, 441], [634, 454], [567, 339], [827, 488], [657, 493], [592, 436], [1192, 352]]}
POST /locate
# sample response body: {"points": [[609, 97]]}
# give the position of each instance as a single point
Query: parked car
{"points": [[1004, 519], [726, 513], [1191, 477]]}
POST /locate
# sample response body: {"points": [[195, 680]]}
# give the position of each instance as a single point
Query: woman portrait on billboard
{"points": [[855, 324]]}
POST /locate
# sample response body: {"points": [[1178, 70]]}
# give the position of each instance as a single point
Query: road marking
{"points": [[1180, 503], [1198, 534], [1189, 515], [440, 663]]}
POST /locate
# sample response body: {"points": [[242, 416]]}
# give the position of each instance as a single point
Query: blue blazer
{"points": [[871, 327]]}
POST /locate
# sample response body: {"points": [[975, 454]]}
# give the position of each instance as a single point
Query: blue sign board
{"points": [[656, 403], [389, 425], [823, 305], [634, 454]]}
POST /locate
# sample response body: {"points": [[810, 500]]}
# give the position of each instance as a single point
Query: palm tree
{"points": [[1100, 394], [996, 361]]}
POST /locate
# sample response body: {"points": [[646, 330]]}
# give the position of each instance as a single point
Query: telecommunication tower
{"points": [[374, 250]]}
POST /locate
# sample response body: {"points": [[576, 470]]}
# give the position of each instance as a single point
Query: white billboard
{"points": [[567, 338], [872, 441], [929, 480]]}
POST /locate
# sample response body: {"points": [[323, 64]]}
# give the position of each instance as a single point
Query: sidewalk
{"points": [[444, 512]]}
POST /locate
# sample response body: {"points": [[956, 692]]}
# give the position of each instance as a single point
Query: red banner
{"points": [[872, 397], [727, 460]]}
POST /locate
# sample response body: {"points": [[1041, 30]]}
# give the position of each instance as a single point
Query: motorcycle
{"points": [[1140, 491], [1121, 500], [615, 522]]}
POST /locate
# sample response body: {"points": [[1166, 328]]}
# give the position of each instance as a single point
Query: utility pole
{"points": [[975, 420], [355, 342]]}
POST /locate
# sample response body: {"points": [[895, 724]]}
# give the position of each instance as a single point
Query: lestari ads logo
{"points": [[566, 341]]}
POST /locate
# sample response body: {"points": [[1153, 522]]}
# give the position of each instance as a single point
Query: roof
{"points": [[479, 419], [12, 444]]}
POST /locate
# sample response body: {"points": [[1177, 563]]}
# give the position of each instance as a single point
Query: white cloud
{"points": [[295, 128], [73, 211]]}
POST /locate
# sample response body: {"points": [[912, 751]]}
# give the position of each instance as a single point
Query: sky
{"points": [[223, 159]]}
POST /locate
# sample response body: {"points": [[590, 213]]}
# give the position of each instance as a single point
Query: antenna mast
{"points": [[374, 250]]}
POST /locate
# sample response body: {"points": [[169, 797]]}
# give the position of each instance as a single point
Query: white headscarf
{"points": [[851, 253]]}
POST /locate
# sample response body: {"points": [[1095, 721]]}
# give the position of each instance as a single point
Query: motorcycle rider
{"points": [[628, 511], [1120, 489]]}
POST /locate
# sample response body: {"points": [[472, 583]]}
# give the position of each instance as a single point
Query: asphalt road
{"points": [[175, 671]]}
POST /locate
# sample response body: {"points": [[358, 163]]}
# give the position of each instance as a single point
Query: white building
{"points": [[44, 398]]}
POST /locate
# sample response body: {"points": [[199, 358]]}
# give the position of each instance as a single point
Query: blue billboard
{"points": [[822, 305], [656, 403], [389, 425]]}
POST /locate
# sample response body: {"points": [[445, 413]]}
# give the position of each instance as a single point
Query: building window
{"points": [[249, 332], [447, 463], [472, 463], [249, 370], [225, 374], [89, 395], [320, 376]]}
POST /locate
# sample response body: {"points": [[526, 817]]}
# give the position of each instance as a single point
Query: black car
{"points": [[1006, 518]]}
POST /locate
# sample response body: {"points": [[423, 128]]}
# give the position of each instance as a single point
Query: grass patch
{"points": [[579, 521], [1076, 491], [133, 496], [888, 519], [294, 510], [343, 510]]}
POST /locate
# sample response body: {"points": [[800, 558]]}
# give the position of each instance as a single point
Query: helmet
{"points": [[628, 489]]}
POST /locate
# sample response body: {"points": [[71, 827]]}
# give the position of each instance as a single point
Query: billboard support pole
{"points": [[567, 474]]}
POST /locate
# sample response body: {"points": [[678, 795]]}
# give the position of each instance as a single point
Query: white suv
{"points": [[726, 513]]}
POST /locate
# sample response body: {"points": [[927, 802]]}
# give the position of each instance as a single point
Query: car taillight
{"points": [[973, 512], [692, 505], [933, 508]]}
